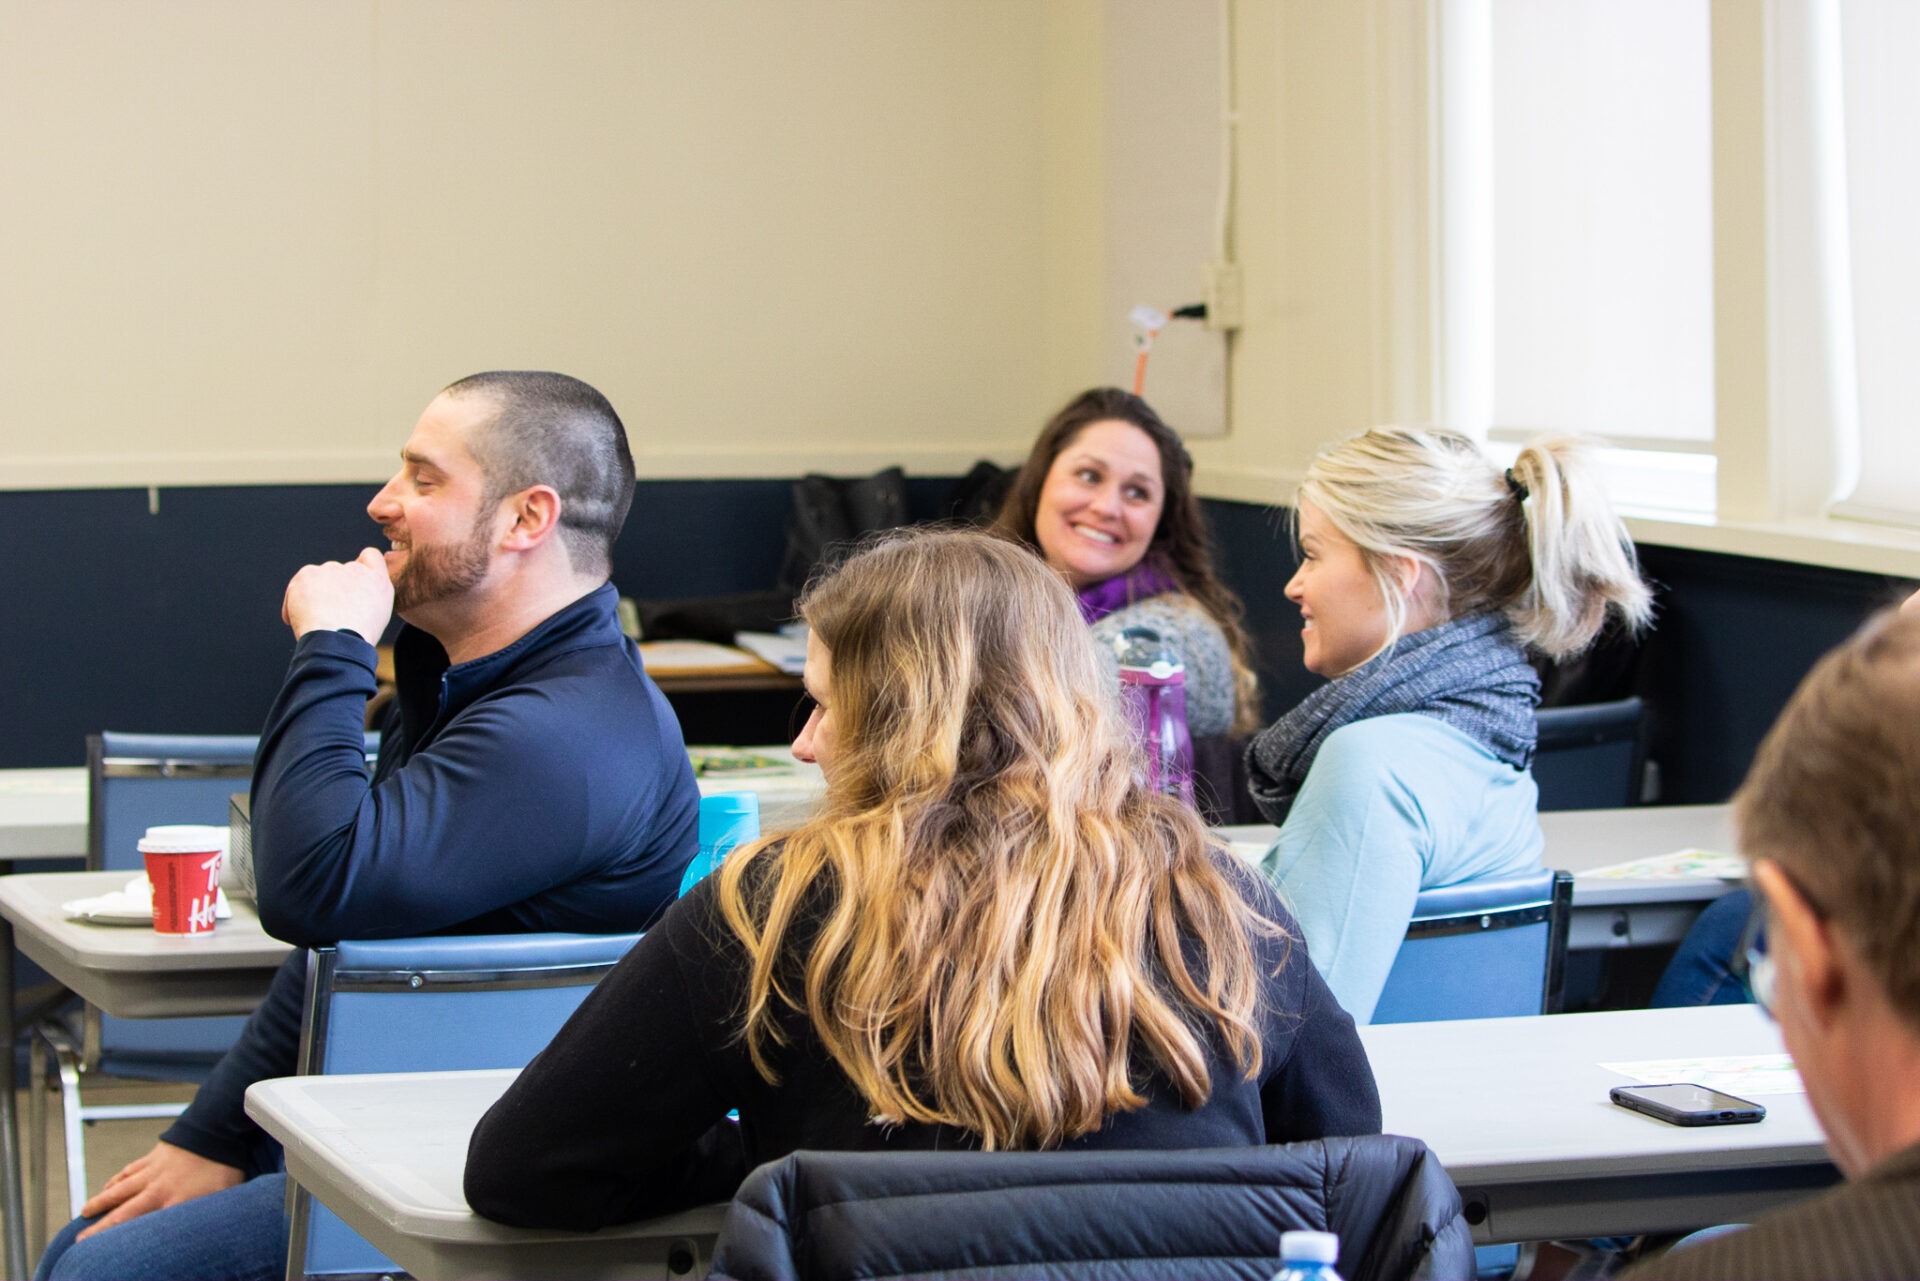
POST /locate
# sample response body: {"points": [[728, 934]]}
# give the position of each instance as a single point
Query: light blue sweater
{"points": [[1391, 806]]}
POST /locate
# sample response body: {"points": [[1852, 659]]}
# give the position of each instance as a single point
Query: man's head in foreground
{"points": [[1830, 817]]}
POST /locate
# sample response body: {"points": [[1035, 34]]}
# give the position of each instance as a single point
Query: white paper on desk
{"points": [[42, 783], [1709, 865], [788, 653], [131, 905], [1743, 1074], [662, 657]]}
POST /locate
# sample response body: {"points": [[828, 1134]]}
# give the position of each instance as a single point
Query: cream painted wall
{"points": [[244, 241], [1332, 228]]}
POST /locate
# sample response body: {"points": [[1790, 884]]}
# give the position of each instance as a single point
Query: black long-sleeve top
{"points": [[540, 787], [622, 1116]]}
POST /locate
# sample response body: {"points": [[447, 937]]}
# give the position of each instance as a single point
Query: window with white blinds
{"points": [[1879, 67], [1575, 186]]}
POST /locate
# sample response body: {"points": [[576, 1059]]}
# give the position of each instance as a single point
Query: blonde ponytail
{"points": [[1583, 560], [1538, 542]]}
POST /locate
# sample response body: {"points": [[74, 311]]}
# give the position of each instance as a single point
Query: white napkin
{"points": [[133, 901]]}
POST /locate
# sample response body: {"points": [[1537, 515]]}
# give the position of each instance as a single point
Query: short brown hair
{"points": [[1834, 798], [552, 429]]}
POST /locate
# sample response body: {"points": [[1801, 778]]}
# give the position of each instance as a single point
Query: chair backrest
{"points": [[137, 781], [1589, 757], [1486, 949], [1207, 1213], [432, 1005]]}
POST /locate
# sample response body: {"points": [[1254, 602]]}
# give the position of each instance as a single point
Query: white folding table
{"points": [[1607, 912], [128, 971], [1517, 1111], [386, 1154], [43, 814], [789, 793]]}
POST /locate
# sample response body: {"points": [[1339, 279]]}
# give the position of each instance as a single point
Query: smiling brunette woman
{"points": [[1426, 575], [1106, 496], [991, 936]]}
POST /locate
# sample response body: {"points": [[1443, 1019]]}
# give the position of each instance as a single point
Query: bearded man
{"points": [[530, 777]]}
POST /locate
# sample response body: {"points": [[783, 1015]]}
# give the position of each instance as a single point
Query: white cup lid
{"points": [[185, 838]]}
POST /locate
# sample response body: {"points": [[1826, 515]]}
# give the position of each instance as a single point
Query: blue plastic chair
{"points": [[1590, 757], [451, 1004], [1484, 950], [431, 1005], [137, 781]]}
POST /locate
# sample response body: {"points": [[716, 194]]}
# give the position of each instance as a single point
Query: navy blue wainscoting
{"points": [[115, 617], [118, 617], [1735, 636]]}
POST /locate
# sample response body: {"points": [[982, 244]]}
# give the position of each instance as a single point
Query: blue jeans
{"points": [[1700, 972], [236, 1235]]}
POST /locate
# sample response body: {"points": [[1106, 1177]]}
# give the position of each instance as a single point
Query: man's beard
{"points": [[439, 571]]}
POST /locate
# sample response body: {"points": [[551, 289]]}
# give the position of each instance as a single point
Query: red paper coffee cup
{"points": [[184, 870]]}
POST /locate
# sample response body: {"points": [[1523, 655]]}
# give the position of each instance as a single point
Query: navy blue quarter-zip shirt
{"points": [[541, 787]]}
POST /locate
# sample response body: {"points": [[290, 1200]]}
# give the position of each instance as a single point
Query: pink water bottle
{"points": [[1153, 685]]}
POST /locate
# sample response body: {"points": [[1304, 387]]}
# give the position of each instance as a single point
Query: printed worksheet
{"points": [[1711, 865], [1747, 1075]]}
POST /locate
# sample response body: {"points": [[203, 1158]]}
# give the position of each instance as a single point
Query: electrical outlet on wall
{"points": [[1221, 288]]}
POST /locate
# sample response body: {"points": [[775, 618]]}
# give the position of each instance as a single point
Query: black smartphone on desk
{"points": [[1686, 1104]]}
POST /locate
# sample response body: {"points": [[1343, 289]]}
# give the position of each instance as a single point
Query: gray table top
{"points": [[1525, 1100], [130, 971], [789, 794], [43, 813], [386, 1153], [1501, 1101], [1579, 841]]}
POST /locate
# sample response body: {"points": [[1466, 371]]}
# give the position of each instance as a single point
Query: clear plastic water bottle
{"points": [[1308, 1256], [726, 820], [1153, 684]]}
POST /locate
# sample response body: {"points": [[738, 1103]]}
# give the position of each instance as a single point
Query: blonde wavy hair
{"points": [[1008, 930], [1538, 542]]}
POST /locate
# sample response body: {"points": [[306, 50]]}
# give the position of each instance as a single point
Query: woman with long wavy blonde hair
{"points": [[991, 935]]}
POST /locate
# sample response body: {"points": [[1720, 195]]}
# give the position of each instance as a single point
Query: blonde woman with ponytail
{"points": [[1427, 575], [991, 936]]}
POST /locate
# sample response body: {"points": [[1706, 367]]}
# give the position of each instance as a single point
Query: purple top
{"points": [[1097, 600]]}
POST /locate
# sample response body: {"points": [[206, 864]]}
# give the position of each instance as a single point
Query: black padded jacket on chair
{"points": [[1211, 1213]]}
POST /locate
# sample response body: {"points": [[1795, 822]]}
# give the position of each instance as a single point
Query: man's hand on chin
{"points": [[356, 595], [165, 1176]]}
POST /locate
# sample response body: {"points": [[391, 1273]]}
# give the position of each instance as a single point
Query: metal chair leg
{"points": [[299, 1212], [72, 1115], [36, 1144], [52, 1037]]}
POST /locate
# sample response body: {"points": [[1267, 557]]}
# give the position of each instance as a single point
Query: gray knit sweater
{"points": [[1202, 646]]}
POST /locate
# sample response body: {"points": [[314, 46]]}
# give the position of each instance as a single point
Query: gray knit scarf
{"points": [[1468, 672]]}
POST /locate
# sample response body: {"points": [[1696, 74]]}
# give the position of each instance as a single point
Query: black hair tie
{"points": [[1518, 486]]}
